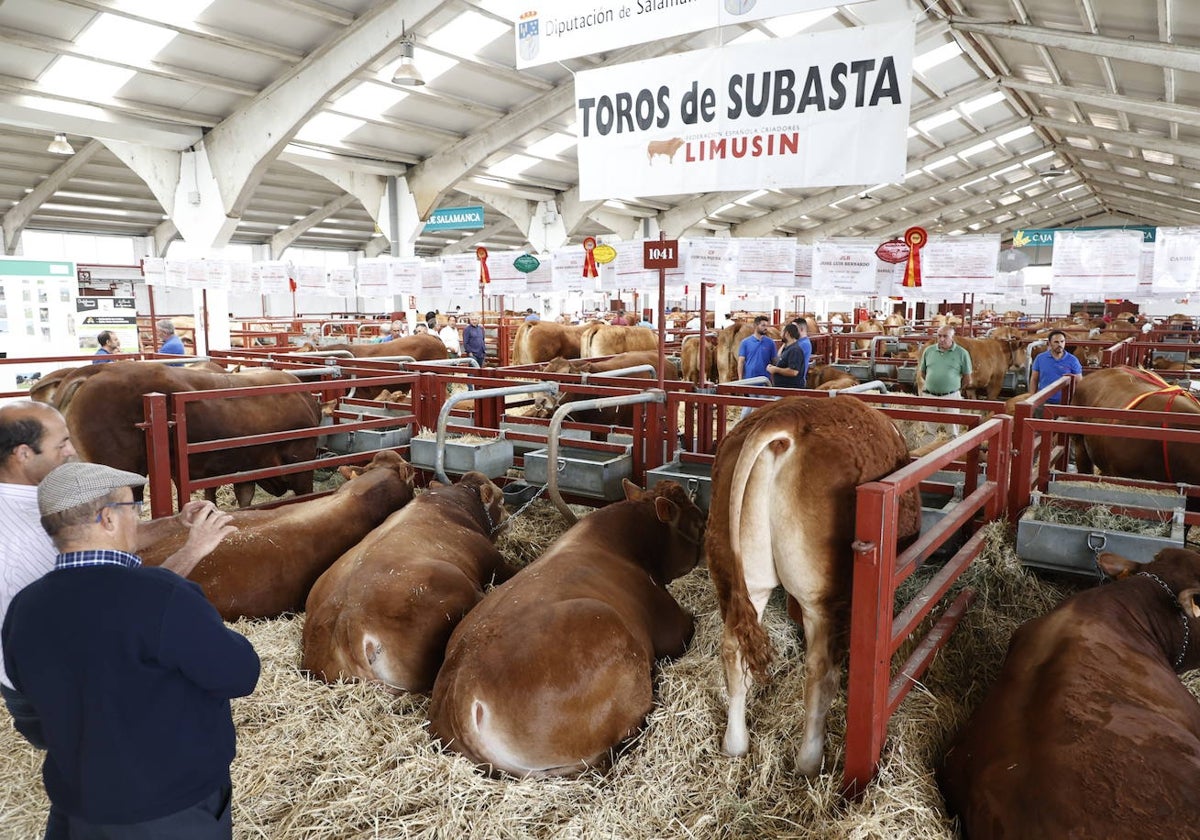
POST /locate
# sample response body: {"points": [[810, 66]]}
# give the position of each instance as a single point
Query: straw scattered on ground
{"points": [[354, 761]]}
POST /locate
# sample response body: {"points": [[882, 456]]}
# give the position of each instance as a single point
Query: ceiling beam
{"points": [[19, 214], [1176, 56], [1125, 104], [1136, 140], [285, 237], [432, 178], [765, 224]]}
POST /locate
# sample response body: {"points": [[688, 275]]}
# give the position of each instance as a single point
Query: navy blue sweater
{"points": [[131, 672]]}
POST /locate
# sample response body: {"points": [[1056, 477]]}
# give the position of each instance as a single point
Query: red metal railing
{"points": [[876, 634]]}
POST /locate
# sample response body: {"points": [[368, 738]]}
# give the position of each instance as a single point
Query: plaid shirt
{"points": [[96, 557]]}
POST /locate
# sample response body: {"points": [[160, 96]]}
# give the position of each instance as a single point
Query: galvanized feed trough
{"points": [[584, 472]]}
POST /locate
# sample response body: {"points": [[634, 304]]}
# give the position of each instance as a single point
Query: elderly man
{"points": [[171, 343], [945, 368], [129, 669], [449, 336], [473, 340], [33, 441]]}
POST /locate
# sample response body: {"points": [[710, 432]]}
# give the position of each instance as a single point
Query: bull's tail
{"points": [[753, 475]]}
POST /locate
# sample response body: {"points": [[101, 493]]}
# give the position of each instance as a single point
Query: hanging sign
{"points": [[893, 251], [589, 257], [481, 254], [604, 254], [660, 253], [526, 263], [455, 218]]}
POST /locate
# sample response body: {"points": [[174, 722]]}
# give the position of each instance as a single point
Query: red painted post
{"points": [[182, 477], [158, 453], [870, 634]]}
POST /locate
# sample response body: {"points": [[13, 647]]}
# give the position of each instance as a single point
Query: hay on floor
{"points": [[354, 761]]}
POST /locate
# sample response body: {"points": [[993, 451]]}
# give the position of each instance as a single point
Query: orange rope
{"points": [[1171, 392]]}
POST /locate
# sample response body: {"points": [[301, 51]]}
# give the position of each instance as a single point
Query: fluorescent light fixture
{"points": [[60, 146]]}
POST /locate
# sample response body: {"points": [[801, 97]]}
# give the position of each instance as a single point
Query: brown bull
{"points": [[609, 340], [1088, 731], [384, 610], [423, 348], [268, 566], [689, 359], [728, 341], [545, 404], [782, 512], [103, 405], [554, 668], [1126, 387], [541, 341]]}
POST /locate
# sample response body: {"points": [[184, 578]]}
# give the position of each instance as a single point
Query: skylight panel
{"points": [[115, 37], [938, 164], [930, 123], [432, 64], [977, 148], [467, 34], [176, 11], [973, 105], [329, 128], [84, 79], [749, 198], [1014, 135], [369, 99], [512, 166], [927, 61], [1158, 157], [788, 25], [551, 146]]}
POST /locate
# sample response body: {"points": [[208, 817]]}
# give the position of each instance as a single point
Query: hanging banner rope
{"points": [[915, 238], [589, 257], [481, 254]]}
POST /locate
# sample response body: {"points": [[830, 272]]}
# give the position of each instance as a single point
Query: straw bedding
{"points": [[353, 761]]}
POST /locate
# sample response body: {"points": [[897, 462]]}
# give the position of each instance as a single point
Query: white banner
{"points": [[804, 267], [1176, 261], [628, 272], [311, 280], [1096, 263], [845, 266], [566, 265], [404, 276], [241, 279], [554, 30], [154, 269], [951, 265], [767, 263], [273, 277], [373, 277], [820, 109], [713, 261], [506, 279], [341, 281], [460, 275]]}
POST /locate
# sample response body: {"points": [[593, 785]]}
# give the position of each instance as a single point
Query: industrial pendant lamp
{"points": [[60, 146], [407, 73]]}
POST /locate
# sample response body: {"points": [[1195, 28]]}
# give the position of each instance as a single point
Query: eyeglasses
{"points": [[137, 507]]}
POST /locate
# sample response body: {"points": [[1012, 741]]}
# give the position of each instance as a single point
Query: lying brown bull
{"points": [[269, 565], [103, 405], [782, 512], [1088, 732], [384, 610], [1126, 387], [554, 668]]}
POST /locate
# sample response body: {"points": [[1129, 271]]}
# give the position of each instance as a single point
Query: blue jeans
{"points": [[27, 722]]}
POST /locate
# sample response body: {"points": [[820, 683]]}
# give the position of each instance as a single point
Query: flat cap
{"points": [[77, 483]]}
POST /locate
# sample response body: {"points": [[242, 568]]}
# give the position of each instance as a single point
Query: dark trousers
{"points": [[210, 819], [27, 722]]}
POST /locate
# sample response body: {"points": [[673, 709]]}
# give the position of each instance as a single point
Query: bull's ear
{"points": [[488, 493], [667, 511], [1116, 566], [1189, 601], [633, 493], [435, 484], [350, 473]]}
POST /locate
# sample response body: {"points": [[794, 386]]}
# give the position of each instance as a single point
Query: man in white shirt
{"points": [[449, 336]]}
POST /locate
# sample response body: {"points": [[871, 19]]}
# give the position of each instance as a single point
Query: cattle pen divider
{"points": [[876, 632], [166, 431]]}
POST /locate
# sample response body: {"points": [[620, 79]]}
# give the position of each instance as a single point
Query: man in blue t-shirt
{"points": [[1053, 363], [790, 370], [756, 351]]}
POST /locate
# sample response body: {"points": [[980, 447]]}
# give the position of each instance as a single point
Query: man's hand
{"points": [[207, 526]]}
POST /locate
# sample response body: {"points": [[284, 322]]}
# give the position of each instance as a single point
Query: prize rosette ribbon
{"points": [[915, 238], [589, 257], [481, 254]]}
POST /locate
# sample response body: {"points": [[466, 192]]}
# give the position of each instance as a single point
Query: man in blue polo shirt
{"points": [[1053, 363], [756, 351]]}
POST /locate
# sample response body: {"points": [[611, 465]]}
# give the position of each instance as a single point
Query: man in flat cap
{"points": [[129, 670]]}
